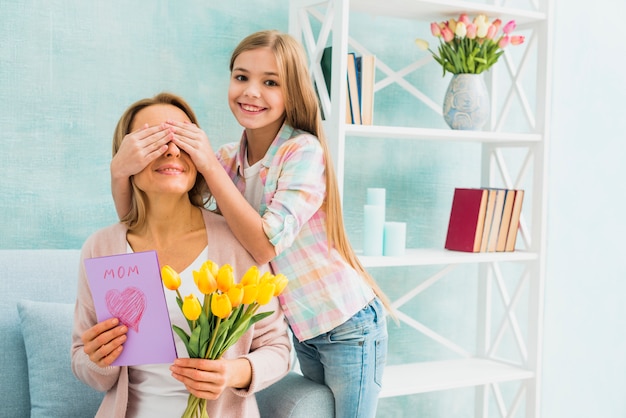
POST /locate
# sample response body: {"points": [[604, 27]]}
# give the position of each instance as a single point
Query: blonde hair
{"points": [[302, 112], [136, 217]]}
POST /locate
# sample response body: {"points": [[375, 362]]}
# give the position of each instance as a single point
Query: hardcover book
{"points": [[506, 220], [491, 202], [515, 218], [467, 217], [497, 218], [129, 287]]}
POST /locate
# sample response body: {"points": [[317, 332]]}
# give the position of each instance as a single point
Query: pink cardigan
{"points": [[266, 345]]}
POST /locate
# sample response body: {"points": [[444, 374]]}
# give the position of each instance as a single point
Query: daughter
{"points": [[278, 193]]}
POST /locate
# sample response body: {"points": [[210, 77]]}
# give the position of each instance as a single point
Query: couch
{"points": [[37, 293]]}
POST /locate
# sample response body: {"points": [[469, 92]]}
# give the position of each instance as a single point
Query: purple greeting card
{"points": [[129, 287]]}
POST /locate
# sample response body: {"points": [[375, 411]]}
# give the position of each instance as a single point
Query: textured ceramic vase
{"points": [[466, 103]]}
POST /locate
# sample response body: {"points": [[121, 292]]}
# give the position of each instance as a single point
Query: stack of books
{"points": [[484, 219], [360, 85]]}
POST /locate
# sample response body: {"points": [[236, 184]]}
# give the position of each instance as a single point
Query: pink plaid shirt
{"points": [[324, 291]]}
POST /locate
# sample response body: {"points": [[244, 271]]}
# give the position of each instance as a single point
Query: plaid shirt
{"points": [[324, 291]]}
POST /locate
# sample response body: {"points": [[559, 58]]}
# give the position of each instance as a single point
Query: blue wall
{"points": [[68, 69]]}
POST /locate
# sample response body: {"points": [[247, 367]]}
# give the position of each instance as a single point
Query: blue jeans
{"points": [[349, 360]]}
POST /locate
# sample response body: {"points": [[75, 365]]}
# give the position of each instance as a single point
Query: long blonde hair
{"points": [[302, 112], [136, 217]]}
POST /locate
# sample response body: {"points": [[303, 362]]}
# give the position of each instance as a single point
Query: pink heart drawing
{"points": [[128, 306]]}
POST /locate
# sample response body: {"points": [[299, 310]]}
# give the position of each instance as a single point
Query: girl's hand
{"points": [[207, 379], [103, 342], [191, 139], [140, 148]]}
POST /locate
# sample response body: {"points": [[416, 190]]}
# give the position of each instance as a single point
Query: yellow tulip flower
{"points": [[191, 307], [250, 293], [211, 266], [225, 278], [266, 292], [170, 278], [235, 294], [251, 276], [205, 281], [221, 306], [267, 276], [281, 281]]}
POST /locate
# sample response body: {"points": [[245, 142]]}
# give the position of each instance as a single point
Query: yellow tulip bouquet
{"points": [[226, 313]]}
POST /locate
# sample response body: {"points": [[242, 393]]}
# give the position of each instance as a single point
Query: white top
{"points": [[152, 391], [254, 187]]}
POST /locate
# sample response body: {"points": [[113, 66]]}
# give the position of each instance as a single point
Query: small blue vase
{"points": [[466, 103]]}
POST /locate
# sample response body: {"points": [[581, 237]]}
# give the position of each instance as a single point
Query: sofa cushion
{"points": [[46, 275], [295, 396], [54, 390]]}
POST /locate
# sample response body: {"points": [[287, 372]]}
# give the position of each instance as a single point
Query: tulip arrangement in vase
{"points": [[467, 48], [228, 310]]}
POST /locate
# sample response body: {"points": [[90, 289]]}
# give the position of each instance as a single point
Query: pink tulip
{"points": [[464, 18], [504, 41], [509, 27], [491, 32], [435, 29], [497, 24], [471, 31], [447, 34], [517, 40]]}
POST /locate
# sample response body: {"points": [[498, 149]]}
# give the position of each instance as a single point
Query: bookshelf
{"points": [[512, 157]]}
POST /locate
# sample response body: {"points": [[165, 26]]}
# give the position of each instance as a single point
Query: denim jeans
{"points": [[349, 360]]}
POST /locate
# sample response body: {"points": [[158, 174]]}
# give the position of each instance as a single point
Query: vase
{"points": [[466, 103]]}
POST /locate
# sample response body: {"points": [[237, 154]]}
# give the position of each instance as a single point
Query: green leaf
{"points": [[194, 342]]}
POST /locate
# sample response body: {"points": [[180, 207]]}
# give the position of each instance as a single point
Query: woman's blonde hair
{"points": [[136, 217], [302, 111]]}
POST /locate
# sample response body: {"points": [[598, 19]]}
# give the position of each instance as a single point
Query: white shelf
{"points": [[501, 138], [428, 256], [436, 10], [432, 376], [516, 159]]}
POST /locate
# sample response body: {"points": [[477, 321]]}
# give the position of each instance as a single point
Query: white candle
{"points": [[394, 239], [376, 196], [373, 229]]}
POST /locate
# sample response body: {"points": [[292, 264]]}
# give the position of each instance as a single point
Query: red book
{"points": [[467, 218]]}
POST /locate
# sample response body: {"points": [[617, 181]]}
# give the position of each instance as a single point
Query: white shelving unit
{"points": [[319, 23]]}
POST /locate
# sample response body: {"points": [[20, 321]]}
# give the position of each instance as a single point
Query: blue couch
{"points": [[37, 293]]}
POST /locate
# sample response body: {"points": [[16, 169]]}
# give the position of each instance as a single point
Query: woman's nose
{"points": [[172, 150]]}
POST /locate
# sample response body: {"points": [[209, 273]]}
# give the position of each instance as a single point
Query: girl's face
{"points": [[173, 172], [255, 95]]}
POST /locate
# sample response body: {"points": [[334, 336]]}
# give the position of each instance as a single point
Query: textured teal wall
{"points": [[69, 68]]}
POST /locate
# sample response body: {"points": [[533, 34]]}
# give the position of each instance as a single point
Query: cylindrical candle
{"points": [[376, 196], [394, 239], [373, 229]]}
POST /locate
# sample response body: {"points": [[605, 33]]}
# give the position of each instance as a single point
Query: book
{"points": [[506, 220], [353, 89], [467, 216], [129, 287], [491, 201], [515, 218], [497, 218], [368, 80]]}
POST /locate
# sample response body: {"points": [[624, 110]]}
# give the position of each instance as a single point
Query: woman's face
{"points": [[255, 94], [173, 172]]}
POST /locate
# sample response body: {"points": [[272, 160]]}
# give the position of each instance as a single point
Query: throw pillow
{"points": [[54, 390]]}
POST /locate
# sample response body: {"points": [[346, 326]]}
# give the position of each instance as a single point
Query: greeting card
{"points": [[129, 287]]}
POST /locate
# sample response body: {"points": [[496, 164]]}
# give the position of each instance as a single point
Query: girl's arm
{"points": [[137, 150], [243, 219]]}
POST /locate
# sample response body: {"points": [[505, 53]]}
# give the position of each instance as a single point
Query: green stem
{"points": [[217, 327]]}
